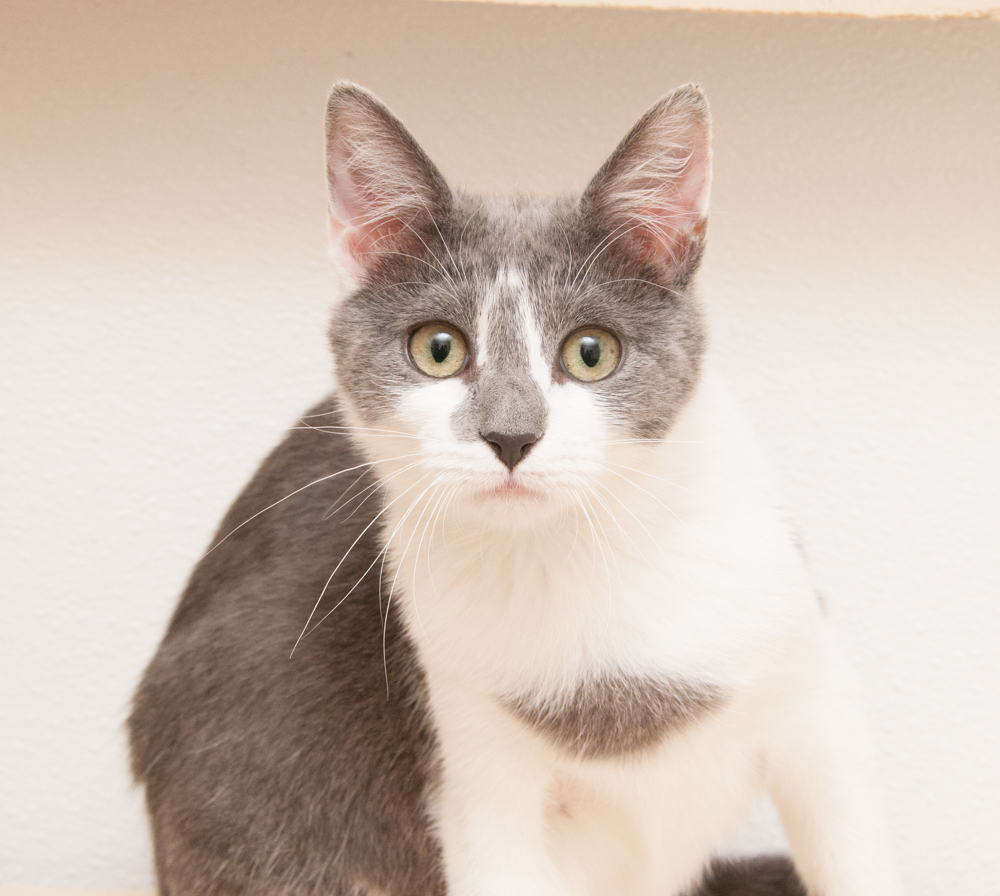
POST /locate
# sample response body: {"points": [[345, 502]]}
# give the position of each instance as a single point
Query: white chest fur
{"points": [[677, 566]]}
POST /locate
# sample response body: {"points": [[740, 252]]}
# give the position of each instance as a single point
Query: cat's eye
{"points": [[591, 354], [438, 350]]}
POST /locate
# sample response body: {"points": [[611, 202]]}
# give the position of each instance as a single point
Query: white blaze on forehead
{"points": [[490, 301], [512, 277], [506, 289], [510, 295], [541, 371]]}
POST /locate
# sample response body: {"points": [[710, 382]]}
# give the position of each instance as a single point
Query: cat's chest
{"points": [[543, 614]]}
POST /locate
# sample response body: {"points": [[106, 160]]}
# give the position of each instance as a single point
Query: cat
{"points": [[514, 610]]}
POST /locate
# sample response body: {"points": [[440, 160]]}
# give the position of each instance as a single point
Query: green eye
{"points": [[591, 354], [438, 350]]}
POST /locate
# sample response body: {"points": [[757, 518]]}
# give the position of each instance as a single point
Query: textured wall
{"points": [[163, 290]]}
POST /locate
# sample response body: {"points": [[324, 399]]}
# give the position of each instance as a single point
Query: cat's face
{"points": [[510, 352]]}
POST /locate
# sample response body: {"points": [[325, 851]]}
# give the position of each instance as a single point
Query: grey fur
{"points": [[269, 770], [267, 774], [612, 716], [657, 319]]}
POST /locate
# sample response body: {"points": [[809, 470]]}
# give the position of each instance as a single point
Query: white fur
{"points": [[541, 369], [644, 558]]}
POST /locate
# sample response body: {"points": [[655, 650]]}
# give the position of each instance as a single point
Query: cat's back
{"points": [[248, 746]]}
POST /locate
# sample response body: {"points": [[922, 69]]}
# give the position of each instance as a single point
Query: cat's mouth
{"points": [[510, 489]]}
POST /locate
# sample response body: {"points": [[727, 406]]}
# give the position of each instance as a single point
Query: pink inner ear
{"points": [[663, 212], [372, 203], [357, 247]]}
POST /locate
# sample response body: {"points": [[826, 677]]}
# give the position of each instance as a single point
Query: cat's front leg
{"points": [[822, 781], [491, 802]]}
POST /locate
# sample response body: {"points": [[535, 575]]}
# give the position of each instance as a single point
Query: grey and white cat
{"points": [[515, 612]]}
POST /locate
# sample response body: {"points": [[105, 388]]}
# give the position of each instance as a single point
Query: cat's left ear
{"points": [[385, 194], [650, 198]]}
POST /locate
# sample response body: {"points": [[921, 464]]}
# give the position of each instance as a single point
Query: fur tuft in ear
{"points": [[385, 194], [650, 198]]}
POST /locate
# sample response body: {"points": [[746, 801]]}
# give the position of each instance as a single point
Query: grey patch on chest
{"points": [[612, 716]]}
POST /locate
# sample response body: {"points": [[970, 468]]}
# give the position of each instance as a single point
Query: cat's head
{"points": [[505, 350]]}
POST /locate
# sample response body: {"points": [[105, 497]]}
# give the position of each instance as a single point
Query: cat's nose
{"points": [[511, 449]]}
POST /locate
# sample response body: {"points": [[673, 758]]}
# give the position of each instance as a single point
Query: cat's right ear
{"points": [[385, 194]]}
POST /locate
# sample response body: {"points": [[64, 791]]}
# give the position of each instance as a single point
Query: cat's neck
{"points": [[676, 534]]}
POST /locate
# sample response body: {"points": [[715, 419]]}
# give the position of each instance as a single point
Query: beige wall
{"points": [[163, 290], [869, 8]]}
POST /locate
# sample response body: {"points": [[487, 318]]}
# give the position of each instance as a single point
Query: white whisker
{"points": [[292, 495], [342, 559], [653, 476], [670, 510], [392, 587]]}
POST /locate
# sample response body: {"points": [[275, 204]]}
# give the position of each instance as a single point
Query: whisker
{"points": [[444, 242], [381, 554], [596, 248], [593, 532], [654, 442], [597, 538], [569, 245], [340, 428], [608, 542], [293, 494], [640, 280], [346, 555], [605, 248], [333, 431], [461, 237], [576, 532], [615, 520], [416, 560], [653, 476], [628, 509], [431, 252], [644, 491], [392, 587], [371, 489], [336, 508], [442, 517], [330, 612], [607, 569], [436, 516]]}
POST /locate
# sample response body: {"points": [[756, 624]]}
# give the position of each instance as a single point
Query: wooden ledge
{"points": [[900, 9]]}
